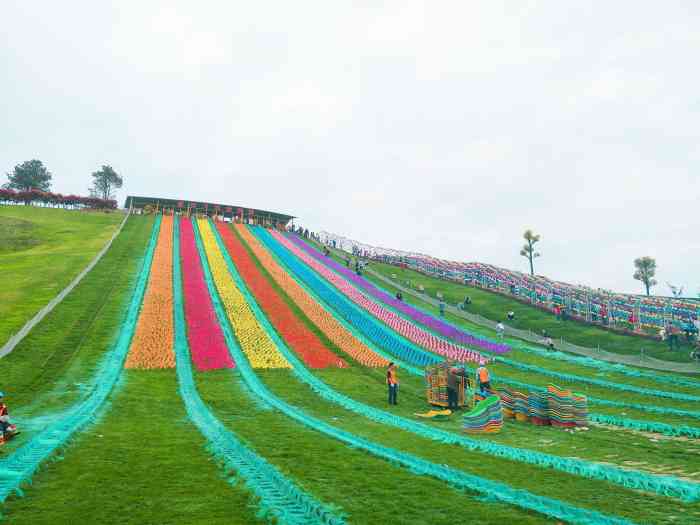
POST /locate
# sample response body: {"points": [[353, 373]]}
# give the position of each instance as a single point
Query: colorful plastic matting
{"points": [[486, 417]]}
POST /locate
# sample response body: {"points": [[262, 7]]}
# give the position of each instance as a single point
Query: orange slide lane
{"points": [[335, 331], [293, 331], [152, 345]]}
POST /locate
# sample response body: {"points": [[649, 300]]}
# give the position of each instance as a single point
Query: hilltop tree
{"points": [[645, 271], [105, 182], [30, 175], [528, 250]]}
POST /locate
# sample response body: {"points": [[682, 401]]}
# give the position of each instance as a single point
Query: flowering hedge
{"points": [[318, 315], [206, 341], [396, 322], [254, 341], [55, 199], [295, 333], [152, 345]]}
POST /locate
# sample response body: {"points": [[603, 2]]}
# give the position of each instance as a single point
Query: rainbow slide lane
{"points": [[278, 495], [318, 315], [20, 466], [303, 341], [255, 342], [206, 341], [407, 329], [386, 342], [457, 478], [152, 345], [438, 325]]}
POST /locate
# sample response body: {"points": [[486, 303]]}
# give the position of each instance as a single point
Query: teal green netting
{"points": [[611, 367], [495, 490], [22, 464], [665, 485], [278, 495], [334, 301], [597, 382]]}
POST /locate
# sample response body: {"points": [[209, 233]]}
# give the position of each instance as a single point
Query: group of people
{"points": [[454, 374]]}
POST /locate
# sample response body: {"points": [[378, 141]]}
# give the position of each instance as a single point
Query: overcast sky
{"points": [[441, 127]]}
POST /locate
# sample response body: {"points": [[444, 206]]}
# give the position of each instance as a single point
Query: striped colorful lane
{"points": [[295, 333], [206, 341], [255, 342], [406, 328], [324, 320], [152, 345]]}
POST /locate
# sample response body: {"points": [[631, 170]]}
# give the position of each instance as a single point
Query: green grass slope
{"points": [[41, 251], [47, 368]]}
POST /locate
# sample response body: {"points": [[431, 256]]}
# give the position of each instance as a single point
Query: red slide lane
{"points": [[207, 343], [295, 333]]}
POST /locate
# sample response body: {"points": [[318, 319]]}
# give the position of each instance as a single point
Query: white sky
{"points": [[441, 127]]}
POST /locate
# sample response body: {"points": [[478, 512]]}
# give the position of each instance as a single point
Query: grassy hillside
{"points": [[495, 307], [41, 251]]}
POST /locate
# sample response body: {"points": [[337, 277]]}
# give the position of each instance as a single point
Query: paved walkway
{"points": [[561, 344]]}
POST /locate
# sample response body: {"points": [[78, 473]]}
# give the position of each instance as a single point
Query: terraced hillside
{"points": [[214, 373]]}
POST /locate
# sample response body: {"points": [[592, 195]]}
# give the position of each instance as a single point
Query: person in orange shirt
{"points": [[392, 380], [482, 374]]}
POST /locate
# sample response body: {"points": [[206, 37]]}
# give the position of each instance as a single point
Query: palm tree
{"points": [[528, 250]]}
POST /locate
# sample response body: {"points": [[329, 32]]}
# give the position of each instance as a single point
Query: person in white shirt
{"points": [[500, 329]]}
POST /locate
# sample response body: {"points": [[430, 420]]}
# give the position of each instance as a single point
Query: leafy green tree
{"points": [[30, 175], [104, 182], [528, 250], [645, 272]]}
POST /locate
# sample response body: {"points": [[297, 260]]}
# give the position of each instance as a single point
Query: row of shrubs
{"points": [[48, 198]]}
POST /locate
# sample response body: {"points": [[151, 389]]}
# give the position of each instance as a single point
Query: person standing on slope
{"points": [[482, 375], [392, 381]]}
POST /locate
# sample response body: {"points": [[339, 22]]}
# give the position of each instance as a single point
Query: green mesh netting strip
{"points": [[279, 496], [20, 466]]}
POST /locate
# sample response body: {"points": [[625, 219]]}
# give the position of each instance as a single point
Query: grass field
{"points": [[143, 461], [41, 251]]}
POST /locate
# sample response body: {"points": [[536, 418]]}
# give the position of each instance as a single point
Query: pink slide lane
{"points": [[207, 344]]}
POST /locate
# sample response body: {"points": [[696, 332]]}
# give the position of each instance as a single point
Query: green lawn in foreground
{"points": [[41, 251], [495, 306], [142, 463], [45, 370]]}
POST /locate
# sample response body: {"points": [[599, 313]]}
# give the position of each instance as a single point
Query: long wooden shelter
{"points": [[192, 207]]}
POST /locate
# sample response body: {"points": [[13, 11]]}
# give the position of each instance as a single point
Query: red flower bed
{"points": [[295, 333], [207, 343]]}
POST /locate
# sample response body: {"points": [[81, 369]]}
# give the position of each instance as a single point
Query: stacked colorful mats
{"points": [[507, 403], [560, 407], [580, 409], [538, 408], [485, 417], [520, 405]]}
